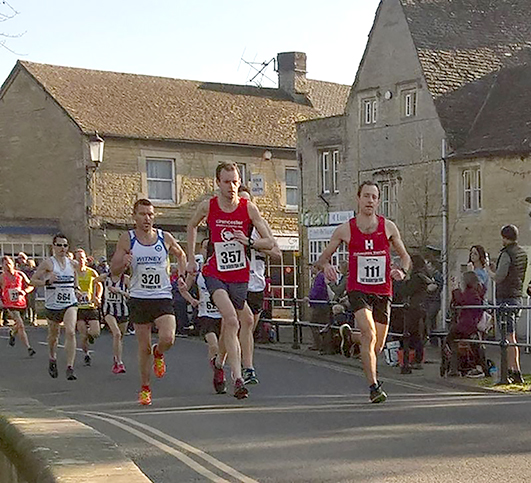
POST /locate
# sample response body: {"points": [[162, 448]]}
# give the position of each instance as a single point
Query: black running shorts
{"points": [[57, 315], [255, 300], [146, 311], [87, 314], [237, 291], [379, 305], [209, 325]]}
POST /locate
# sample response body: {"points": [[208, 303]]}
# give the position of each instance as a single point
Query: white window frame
{"points": [[409, 108], [171, 181], [325, 172], [316, 247], [335, 171], [243, 173], [389, 198], [471, 189], [291, 187], [370, 111]]}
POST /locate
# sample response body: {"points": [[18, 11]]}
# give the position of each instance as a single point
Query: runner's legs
{"points": [[53, 338], [369, 339], [69, 320], [117, 331], [247, 325], [19, 328], [145, 357]]}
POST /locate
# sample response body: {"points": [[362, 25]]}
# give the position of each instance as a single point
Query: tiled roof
{"points": [[141, 106], [462, 45]]}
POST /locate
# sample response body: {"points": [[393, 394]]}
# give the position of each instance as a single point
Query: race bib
{"points": [[64, 295], [14, 294], [230, 256], [151, 278], [113, 296], [371, 270], [211, 308], [83, 298]]}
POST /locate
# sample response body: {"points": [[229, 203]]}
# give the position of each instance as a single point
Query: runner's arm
{"points": [[341, 234], [175, 249], [98, 290], [27, 284], [274, 252], [42, 274], [191, 233], [398, 245], [267, 242], [122, 256]]}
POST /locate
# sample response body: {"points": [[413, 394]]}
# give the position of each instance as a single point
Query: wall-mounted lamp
{"points": [[96, 144]]}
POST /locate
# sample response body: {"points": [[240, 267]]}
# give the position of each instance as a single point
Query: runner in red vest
{"points": [[226, 271], [369, 285], [15, 286]]}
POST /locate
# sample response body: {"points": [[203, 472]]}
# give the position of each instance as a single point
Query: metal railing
{"points": [[502, 310]]}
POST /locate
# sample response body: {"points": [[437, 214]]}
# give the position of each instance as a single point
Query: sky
{"points": [[202, 40]]}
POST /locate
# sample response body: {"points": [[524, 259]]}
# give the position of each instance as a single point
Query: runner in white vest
{"points": [[57, 275], [146, 249], [255, 293]]}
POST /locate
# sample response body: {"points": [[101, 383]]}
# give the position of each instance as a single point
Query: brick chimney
{"points": [[292, 72]]}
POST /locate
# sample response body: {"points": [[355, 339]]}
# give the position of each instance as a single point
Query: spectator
{"points": [[509, 277], [416, 291], [320, 308], [103, 266], [433, 300], [28, 267], [466, 322], [339, 289], [478, 261]]}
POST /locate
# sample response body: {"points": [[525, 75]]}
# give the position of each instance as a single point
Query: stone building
{"points": [[163, 140], [433, 72]]}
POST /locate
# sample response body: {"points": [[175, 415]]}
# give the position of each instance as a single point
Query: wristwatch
{"points": [[251, 242]]}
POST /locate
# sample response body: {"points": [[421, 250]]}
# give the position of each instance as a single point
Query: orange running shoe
{"points": [[159, 366], [144, 396]]}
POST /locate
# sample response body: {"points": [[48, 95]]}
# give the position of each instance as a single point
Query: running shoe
{"points": [[220, 385], [144, 396], [240, 391], [12, 339], [249, 376], [87, 360], [377, 394], [52, 368], [159, 366], [475, 373], [118, 368], [70, 374], [516, 377], [346, 339], [31, 351]]}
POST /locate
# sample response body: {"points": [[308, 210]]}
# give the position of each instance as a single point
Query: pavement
{"points": [[45, 443]]}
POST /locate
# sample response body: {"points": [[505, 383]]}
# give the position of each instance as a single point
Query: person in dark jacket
{"points": [[321, 312], [509, 278], [415, 291], [466, 320]]}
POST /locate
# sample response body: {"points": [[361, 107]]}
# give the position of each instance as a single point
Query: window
{"points": [[370, 111], [472, 189], [335, 171], [243, 172], [160, 179], [292, 187], [325, 172], [409, 103], [329, 171], [283, 276], [389, 198]]}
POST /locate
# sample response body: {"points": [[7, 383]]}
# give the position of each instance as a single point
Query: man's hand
{"points": [[330, 272], [128, 259], [398, 274], [52, 278], [470, 266], [241, 237]]}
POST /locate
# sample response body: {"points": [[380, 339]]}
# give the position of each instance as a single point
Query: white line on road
{"points": [[111, 419]]}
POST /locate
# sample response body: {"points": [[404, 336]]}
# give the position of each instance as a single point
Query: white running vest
{"points": [[61, 294], [114, 303], [206, 307], [150, 279], [257, 279]]}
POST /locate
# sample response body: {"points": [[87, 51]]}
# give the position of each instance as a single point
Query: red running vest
{"points": [[229, 261], [369, 260], [10, 292]]}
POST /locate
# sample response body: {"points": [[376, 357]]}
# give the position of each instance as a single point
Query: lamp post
{"points": [[96, 145]]}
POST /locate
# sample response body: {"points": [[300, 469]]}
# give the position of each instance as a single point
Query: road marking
{"points": [[112, 419]]}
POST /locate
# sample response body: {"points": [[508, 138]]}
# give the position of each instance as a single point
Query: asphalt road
{"points": [[307, 421]]}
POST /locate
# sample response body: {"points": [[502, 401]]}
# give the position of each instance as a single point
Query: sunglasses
{"points": [[64, 245]]}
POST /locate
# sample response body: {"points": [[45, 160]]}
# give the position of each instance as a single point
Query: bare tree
{"points": [[7, 13]]}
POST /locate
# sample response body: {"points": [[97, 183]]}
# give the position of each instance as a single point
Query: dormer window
{"points": [[409, 103]]}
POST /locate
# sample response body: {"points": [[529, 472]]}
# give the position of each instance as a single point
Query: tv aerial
{"points": [[258, 71]]}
